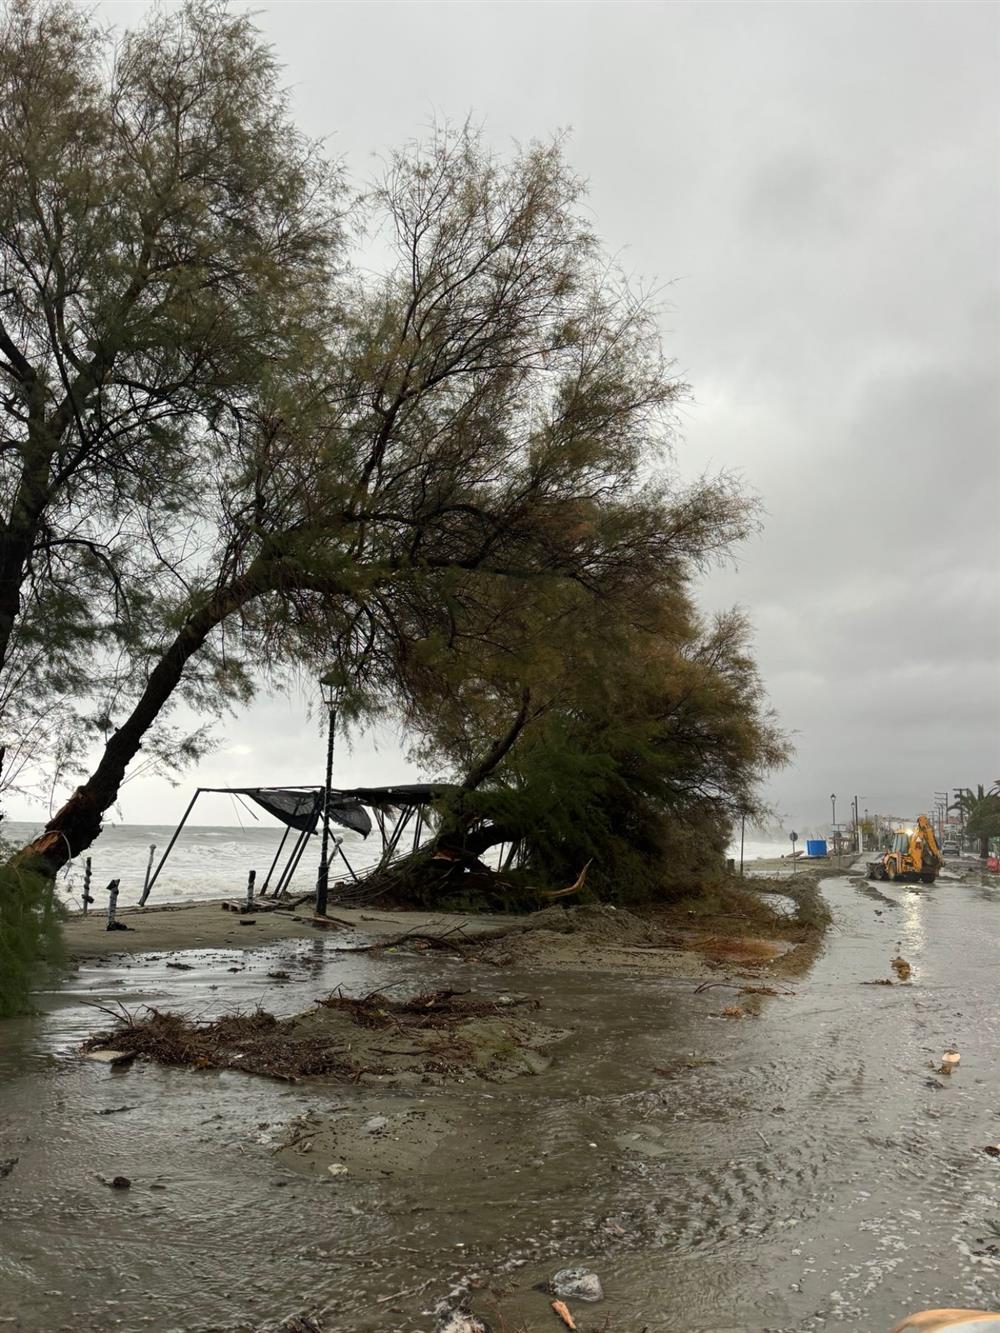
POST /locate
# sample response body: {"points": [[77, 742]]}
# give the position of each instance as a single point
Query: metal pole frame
{"points": [[267, 878], [285, 878], [743, 828], [380, 821], [343, 857], [405, 815], [177, 832]]}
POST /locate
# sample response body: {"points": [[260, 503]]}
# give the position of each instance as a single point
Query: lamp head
{"points": [[333, 685]]}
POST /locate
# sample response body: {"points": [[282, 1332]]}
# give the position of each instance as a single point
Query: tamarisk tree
{"points": [[232, 456], [166, 237]]}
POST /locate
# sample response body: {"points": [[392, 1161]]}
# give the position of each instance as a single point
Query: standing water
{"points": [[804, 1169]]}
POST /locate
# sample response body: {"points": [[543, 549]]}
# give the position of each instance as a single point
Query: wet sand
{"points": [[209, 926], [388, 1191]]}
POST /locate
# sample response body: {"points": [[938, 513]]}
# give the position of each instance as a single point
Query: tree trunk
{"points": [[76, 825]]}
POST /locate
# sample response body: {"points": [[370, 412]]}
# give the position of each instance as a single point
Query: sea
{"points": [[213, 861], [206, 862]]}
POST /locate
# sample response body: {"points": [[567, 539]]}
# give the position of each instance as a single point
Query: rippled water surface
{"points": [[790, 1172]]}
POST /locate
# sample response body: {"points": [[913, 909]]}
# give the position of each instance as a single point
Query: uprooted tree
{"points": [[228, 456], [627, 738]]}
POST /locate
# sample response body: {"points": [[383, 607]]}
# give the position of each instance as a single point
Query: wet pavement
{"points": [[794, 1171]]}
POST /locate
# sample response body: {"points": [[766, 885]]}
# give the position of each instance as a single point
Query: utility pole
{"points": [[858, 840]]}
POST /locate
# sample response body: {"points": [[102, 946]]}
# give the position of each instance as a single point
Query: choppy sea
{"points": [[205, 862]]}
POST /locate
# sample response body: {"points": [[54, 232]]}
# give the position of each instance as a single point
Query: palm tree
{"points": [[980, 811]]}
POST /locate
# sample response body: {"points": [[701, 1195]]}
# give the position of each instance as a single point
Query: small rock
{"points": [[993, 1149], [121, 1183], [337, 1169], [375, 1124], [7, 1166], [578, 1284]]}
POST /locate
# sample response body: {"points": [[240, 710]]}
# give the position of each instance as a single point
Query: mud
{"points": [[802, 1168]]}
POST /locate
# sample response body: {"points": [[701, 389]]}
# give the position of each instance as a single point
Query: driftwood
{"points": [[445, 941], [581, 879]]}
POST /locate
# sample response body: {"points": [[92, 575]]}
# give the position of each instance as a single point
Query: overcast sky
{"points": [[817, 188]]}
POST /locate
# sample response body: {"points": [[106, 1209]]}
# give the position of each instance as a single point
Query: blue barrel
{"points": [[816, 847]]}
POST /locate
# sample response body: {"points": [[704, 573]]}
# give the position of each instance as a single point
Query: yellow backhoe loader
{"points": [[914, 854]]}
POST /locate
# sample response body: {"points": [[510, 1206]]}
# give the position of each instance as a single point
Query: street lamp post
{"points": [[331, 685], [833, 821], [857, 828], [743, 826]]}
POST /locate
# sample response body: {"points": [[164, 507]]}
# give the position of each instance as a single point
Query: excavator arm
{"points": [[924, 846]]}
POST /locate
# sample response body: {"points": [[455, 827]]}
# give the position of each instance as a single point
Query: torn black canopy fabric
{"points": [[300, 808]]}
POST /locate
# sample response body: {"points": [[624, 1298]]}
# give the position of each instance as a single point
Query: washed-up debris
{"points": [[300, 1323], [117, 1182], [993, 1149], [106, 1056], [114, 1110], [733, 1011], [337, 1169], [882, 981], [562, 1310], [577, 1284], [279, 976], [902, 968], [931, 1321], [7, 1166], [454, 1316], [445, 1032], [951, 1058], [182, 967]]}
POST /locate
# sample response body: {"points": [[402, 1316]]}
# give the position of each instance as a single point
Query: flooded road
{"points": [[798, 1170]]}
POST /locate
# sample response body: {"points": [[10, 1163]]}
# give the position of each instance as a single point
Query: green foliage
{"points": [[29, 933], [980, 812], [230, 457], [637, 752], [166, 239]]}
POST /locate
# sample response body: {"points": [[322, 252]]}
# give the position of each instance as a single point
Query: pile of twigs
{"points": [[255, 1042]]}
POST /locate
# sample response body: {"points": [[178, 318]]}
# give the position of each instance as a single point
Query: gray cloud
{"points": [[818, 185]]}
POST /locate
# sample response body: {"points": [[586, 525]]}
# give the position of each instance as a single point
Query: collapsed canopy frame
{"points": [[301, 808]]}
